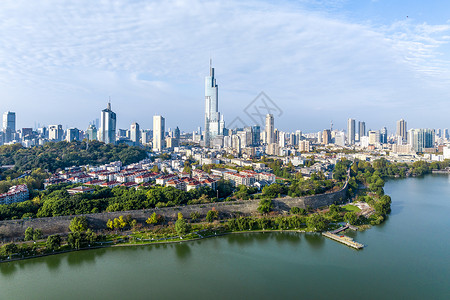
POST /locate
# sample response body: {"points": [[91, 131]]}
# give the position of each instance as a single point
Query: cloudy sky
{"points": [[318, 61]]}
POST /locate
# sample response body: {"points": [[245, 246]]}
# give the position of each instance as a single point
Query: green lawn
{"points": [[350, 207]]}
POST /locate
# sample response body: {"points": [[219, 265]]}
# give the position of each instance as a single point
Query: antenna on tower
{"points": [[109, 103], [210, 67]]}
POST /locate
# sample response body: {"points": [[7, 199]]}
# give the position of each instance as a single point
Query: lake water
{"points": [[407, 257]]}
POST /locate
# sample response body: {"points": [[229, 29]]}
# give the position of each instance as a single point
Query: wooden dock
{"points": [[343, 239]]}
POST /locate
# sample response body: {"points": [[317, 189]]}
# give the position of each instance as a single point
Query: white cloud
{"points": [[151, 57]]}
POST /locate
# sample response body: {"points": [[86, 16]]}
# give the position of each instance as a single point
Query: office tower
{"points": [[339, 138], [55, 133], [282, 139], [256, 135], [108, 125], [9, 126], [299, 135], [176, 137], [214, 123], [383, 135], [419, 139], [135, 133], [158, 133], [351, 131], [91, 132], [72, 134], [270, 129], [446, 136], [439, 133], [402, 130], [374, 137], [326, 137], [361, 129]]}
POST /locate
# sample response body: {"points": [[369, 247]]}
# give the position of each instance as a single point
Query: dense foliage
{"points": [[59, 155], [55, 201]]}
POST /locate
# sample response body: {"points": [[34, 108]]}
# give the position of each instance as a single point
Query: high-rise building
{"points": [[361, 129], [326, 137], [72, 134], [351, 131], [9, 125], [135, 133], [445, 133], [402, 130], [214, 123], [91, 132], [158, 133], [374, 137], [270, 129], [256, 135], [383, 135], [55, 132], [108, 125], [419, 139]]}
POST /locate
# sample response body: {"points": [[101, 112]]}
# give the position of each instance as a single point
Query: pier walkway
{"points": [[342, 238]]}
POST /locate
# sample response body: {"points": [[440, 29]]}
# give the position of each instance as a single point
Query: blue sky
{"points": [[376, 61]]}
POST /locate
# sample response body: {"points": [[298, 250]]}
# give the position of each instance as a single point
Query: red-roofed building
{"points": [[17, 193], [95, 182], [110, 184]]}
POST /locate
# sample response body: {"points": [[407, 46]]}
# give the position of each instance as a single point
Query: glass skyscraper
{"points": [[108, 125], [214, 124]]}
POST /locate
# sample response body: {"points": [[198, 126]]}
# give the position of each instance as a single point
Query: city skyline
{"points": [[352, 58]]}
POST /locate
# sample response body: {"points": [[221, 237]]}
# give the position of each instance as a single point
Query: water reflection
{"points": [[80, 257], [53, 262], [8, 269], [314, 240], [182, 251], [263, 238]]}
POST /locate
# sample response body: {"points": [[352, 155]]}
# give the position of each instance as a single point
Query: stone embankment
{"points": [[14, 229]]}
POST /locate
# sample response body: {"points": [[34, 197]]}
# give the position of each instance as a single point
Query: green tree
{"points": [[110, 224], [195, 215], [182, 227], [37, 235], [75, 239], [78, 224], [317, 222], [9, 249], [152, 219], [350, 217], [212, 215], [29, 232], [53, 242], [265, 206]]}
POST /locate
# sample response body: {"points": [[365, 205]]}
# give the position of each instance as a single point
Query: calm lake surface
{"points": [[407, 257]]}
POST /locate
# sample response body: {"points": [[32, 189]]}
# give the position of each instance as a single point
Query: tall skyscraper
{"points": [[351, 131], [135, 133], [158, 133], [361, 129], [9, 125], [214, 123], [256, 135], [402, 130], [383, 135], [108, 125], [270, 129]]}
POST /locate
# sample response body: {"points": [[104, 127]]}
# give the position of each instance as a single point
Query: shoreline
{"points": [[153, 243]]}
